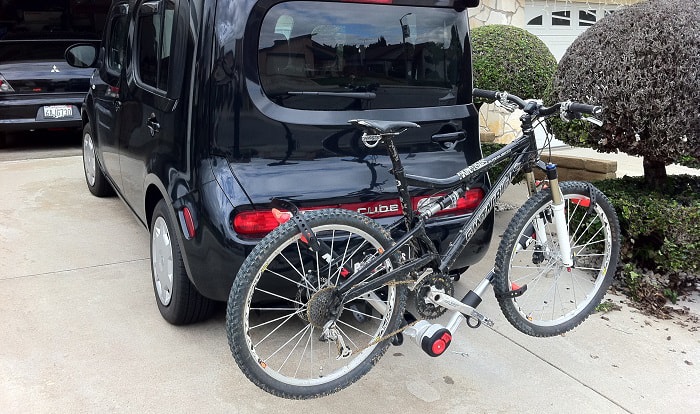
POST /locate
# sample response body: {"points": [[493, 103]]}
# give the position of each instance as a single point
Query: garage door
{"points": [[558, 23]]}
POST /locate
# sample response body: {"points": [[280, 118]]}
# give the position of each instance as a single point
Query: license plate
{"points": [[58, 111]]}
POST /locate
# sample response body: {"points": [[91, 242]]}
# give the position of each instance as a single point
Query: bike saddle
{"points": [[384, 127]]}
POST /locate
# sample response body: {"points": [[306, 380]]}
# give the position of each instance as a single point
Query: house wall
{"points": [[512, 12]]}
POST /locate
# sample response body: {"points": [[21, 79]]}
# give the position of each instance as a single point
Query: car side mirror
{"points": [[81, 55]]}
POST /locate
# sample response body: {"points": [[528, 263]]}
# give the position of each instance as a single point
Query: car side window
{"points": [[116, 43], [154, 42]]}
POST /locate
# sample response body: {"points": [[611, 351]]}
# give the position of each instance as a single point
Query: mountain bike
{"points": [[320, 298]]}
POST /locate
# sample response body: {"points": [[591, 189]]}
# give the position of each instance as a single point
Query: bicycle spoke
{"points": [[301, 332], [342, 332], [361, 313], [292, 351], [301, 285], [279, 296]]}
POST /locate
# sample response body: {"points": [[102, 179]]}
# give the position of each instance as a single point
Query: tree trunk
{"points": [[654, 173]]}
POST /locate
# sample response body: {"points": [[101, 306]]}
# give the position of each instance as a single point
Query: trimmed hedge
{"points": [[507, 58], [641, 65]]}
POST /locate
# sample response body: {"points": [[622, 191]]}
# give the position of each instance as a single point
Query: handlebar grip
{"points": [[483, 93], [584, 108]]}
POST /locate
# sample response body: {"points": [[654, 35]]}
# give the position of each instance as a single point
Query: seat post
{"points": [[401, 185]]}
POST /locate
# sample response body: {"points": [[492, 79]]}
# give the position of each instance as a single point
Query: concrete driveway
{"points": [[80, 332]]}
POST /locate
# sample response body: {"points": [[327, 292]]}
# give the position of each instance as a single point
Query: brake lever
{"points": [[506, 105], [594, 121]]}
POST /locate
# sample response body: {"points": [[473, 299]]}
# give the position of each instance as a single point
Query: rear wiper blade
{"points": [[355, 95]]}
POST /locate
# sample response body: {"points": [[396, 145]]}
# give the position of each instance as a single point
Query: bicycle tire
{"points": [[280, 269], [557, 299]]}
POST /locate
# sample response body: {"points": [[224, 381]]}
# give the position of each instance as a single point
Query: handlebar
{"points": [[567, 108]]}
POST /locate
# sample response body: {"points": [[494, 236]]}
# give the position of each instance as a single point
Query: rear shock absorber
{"points": [[432, 338]]}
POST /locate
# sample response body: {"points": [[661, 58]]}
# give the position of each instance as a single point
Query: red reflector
{"points": [[583, 202], [440, 345], [189, 223]]}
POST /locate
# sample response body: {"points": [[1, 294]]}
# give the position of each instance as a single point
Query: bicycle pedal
{"points": [[433, 339]]}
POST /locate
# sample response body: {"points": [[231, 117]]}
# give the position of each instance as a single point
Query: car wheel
{"points": [[178, 300], [94, 177]]}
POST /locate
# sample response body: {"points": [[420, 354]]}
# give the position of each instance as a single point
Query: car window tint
{"points": [[148, 38], [117, 43], [154, 38], [347, 56], [166, 45]]}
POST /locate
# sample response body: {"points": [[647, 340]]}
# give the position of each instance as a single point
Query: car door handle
{"points": [[449, 139], [153, 125]]}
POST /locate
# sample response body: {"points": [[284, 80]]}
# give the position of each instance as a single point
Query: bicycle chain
{"points": [[384, 338]]}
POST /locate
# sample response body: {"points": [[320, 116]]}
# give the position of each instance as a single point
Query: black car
{"points": [[38, 89], [202, 111]]}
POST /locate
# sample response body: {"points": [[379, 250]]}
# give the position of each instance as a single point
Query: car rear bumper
{"points": [[25, 112]]}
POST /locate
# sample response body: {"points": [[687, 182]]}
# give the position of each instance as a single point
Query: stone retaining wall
{"points": [[510, 12], [580, 168], [572, 168]]}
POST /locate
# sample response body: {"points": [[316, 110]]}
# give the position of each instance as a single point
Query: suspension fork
{"points": [[559, 215]]}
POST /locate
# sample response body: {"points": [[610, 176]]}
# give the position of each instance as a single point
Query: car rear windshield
{"points": [[349, 56], [41, 30]]}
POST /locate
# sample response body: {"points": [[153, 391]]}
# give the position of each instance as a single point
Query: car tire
{"points": [[94, 177], [178, 300]]}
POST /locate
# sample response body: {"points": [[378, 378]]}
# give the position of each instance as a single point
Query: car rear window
{"points": [[41, 30], [350, 56]]}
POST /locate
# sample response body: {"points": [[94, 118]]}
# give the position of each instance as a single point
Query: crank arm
{"points": [[446, 301]]}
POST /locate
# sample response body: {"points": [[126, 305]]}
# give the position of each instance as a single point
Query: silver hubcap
{"points": [[89, 159], [162, 261]]}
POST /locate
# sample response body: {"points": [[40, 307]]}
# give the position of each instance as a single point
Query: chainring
{"points": [[426, 309]]}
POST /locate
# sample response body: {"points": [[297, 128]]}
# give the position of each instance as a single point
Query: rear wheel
{"points": [[178, 300], [557, 298], [94, 177], [279, 306]]}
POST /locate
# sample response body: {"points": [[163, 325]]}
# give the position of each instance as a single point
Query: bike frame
{"points": [[523, 154]]}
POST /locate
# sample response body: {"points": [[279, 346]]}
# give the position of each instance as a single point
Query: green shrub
{"points": [[660, 231], [507, 58]]}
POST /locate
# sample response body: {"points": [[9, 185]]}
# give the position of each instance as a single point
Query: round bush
{"points": [[641, 64], [507, 58]]}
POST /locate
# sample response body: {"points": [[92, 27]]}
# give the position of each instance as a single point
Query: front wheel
{"points": [[556, 298], [280, 304]]}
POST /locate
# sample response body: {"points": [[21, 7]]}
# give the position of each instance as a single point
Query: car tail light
{"points": [[4, 85], [260, 222]]}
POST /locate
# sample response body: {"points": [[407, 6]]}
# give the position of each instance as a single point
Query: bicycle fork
{"points": [[559, 216]]}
